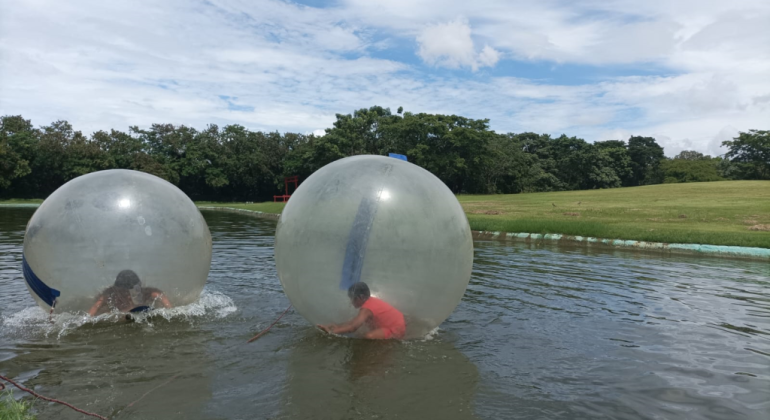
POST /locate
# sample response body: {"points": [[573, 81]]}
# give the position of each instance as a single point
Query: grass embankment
{"points": [[267, 207], [22, 201], [717, 213], [11, 409]]}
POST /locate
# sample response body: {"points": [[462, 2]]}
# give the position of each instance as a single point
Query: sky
{"points": [[689, 73]]}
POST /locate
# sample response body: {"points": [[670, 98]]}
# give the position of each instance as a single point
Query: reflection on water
{"points": [[580, 334], [331, 378], [542, 332], [103, 368]]}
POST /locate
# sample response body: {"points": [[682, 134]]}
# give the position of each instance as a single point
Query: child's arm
{"points": [[98, 305], [163, 299], [350, 326]]}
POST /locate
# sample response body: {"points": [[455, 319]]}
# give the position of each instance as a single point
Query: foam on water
{"points": [[33, 321], [431, 334]]}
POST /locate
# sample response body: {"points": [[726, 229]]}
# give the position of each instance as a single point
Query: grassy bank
{"points": [[11, 409], [268, 207], [24, 201], [717, 213]]}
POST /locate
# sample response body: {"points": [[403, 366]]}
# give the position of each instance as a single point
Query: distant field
{"points": [[268, 207], [25, 201], [717, 213]]}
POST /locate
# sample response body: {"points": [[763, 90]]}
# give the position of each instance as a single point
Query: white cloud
{"points": [[592, 32], [701, 66], [727, 133], [488, 56], [450, 45]]}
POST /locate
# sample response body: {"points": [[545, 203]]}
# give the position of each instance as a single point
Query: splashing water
{"points": [[33, 321], [431, 334]]}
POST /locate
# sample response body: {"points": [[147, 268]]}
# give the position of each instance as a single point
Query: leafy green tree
{"points": [[203, 162], [581, 165], [702, 169], [255, 162], [543, 171], [233, 163], [750, 154], [359, 133], [567, 163], [646, 155], [50, 167], [507, 166], [691, 155], [121, 148], [619, 159], [17, 143], [164, 147], [595, 167], [727, 169], [451, 147], [83, 156]]}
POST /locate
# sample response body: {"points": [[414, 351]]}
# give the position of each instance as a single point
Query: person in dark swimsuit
{"points": [[128, 295]]}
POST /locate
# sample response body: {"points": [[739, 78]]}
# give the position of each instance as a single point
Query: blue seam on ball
{"points": [[45, 293], [358, 238]]}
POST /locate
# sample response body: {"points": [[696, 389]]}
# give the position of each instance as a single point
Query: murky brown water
{"points": [[541, 333]]}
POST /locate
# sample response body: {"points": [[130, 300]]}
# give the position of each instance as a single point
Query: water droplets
{"points": [[34, 321]]}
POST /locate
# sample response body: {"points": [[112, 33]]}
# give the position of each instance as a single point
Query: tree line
{"points": [[232, 163]]}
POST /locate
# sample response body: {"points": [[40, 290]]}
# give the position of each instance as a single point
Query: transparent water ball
{"points": [[378, 220], [101, 224]]}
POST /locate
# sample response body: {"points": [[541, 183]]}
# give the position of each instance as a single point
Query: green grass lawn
{"points": [[717, 213], [267, 207], [22, 201]]}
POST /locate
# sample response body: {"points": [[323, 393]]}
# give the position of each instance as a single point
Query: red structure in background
{"points": [[286, 181]]}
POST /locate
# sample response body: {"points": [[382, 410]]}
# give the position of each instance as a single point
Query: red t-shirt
{"points": [[386, 317]]}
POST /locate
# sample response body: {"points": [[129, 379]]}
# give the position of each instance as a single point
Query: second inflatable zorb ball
{"points": [[98, 225], [381, 221]]}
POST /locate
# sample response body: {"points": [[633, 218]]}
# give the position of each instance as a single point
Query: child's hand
{"points": [[327, 328]]}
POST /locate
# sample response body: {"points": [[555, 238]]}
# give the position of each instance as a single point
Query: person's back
{"points": [[128, 295], [121, 300], [116, 299], [386, 317]]}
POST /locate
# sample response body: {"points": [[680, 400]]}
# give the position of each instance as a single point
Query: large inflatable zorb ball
{"points": [[103, 223], [381, 221]]}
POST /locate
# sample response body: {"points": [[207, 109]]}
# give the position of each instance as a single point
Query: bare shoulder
{"points": [[152, 291]]}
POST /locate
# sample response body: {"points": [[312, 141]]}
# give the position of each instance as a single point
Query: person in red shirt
{"points": [[385, 321]]}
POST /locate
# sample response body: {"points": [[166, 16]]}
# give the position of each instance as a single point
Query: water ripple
{"points": [[543, 332]]}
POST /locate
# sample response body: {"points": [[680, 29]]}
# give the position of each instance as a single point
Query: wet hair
{"points": [[127, 279], [359, 291]]}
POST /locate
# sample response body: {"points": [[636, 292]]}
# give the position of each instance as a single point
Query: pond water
{"points": [[542, 333]]}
